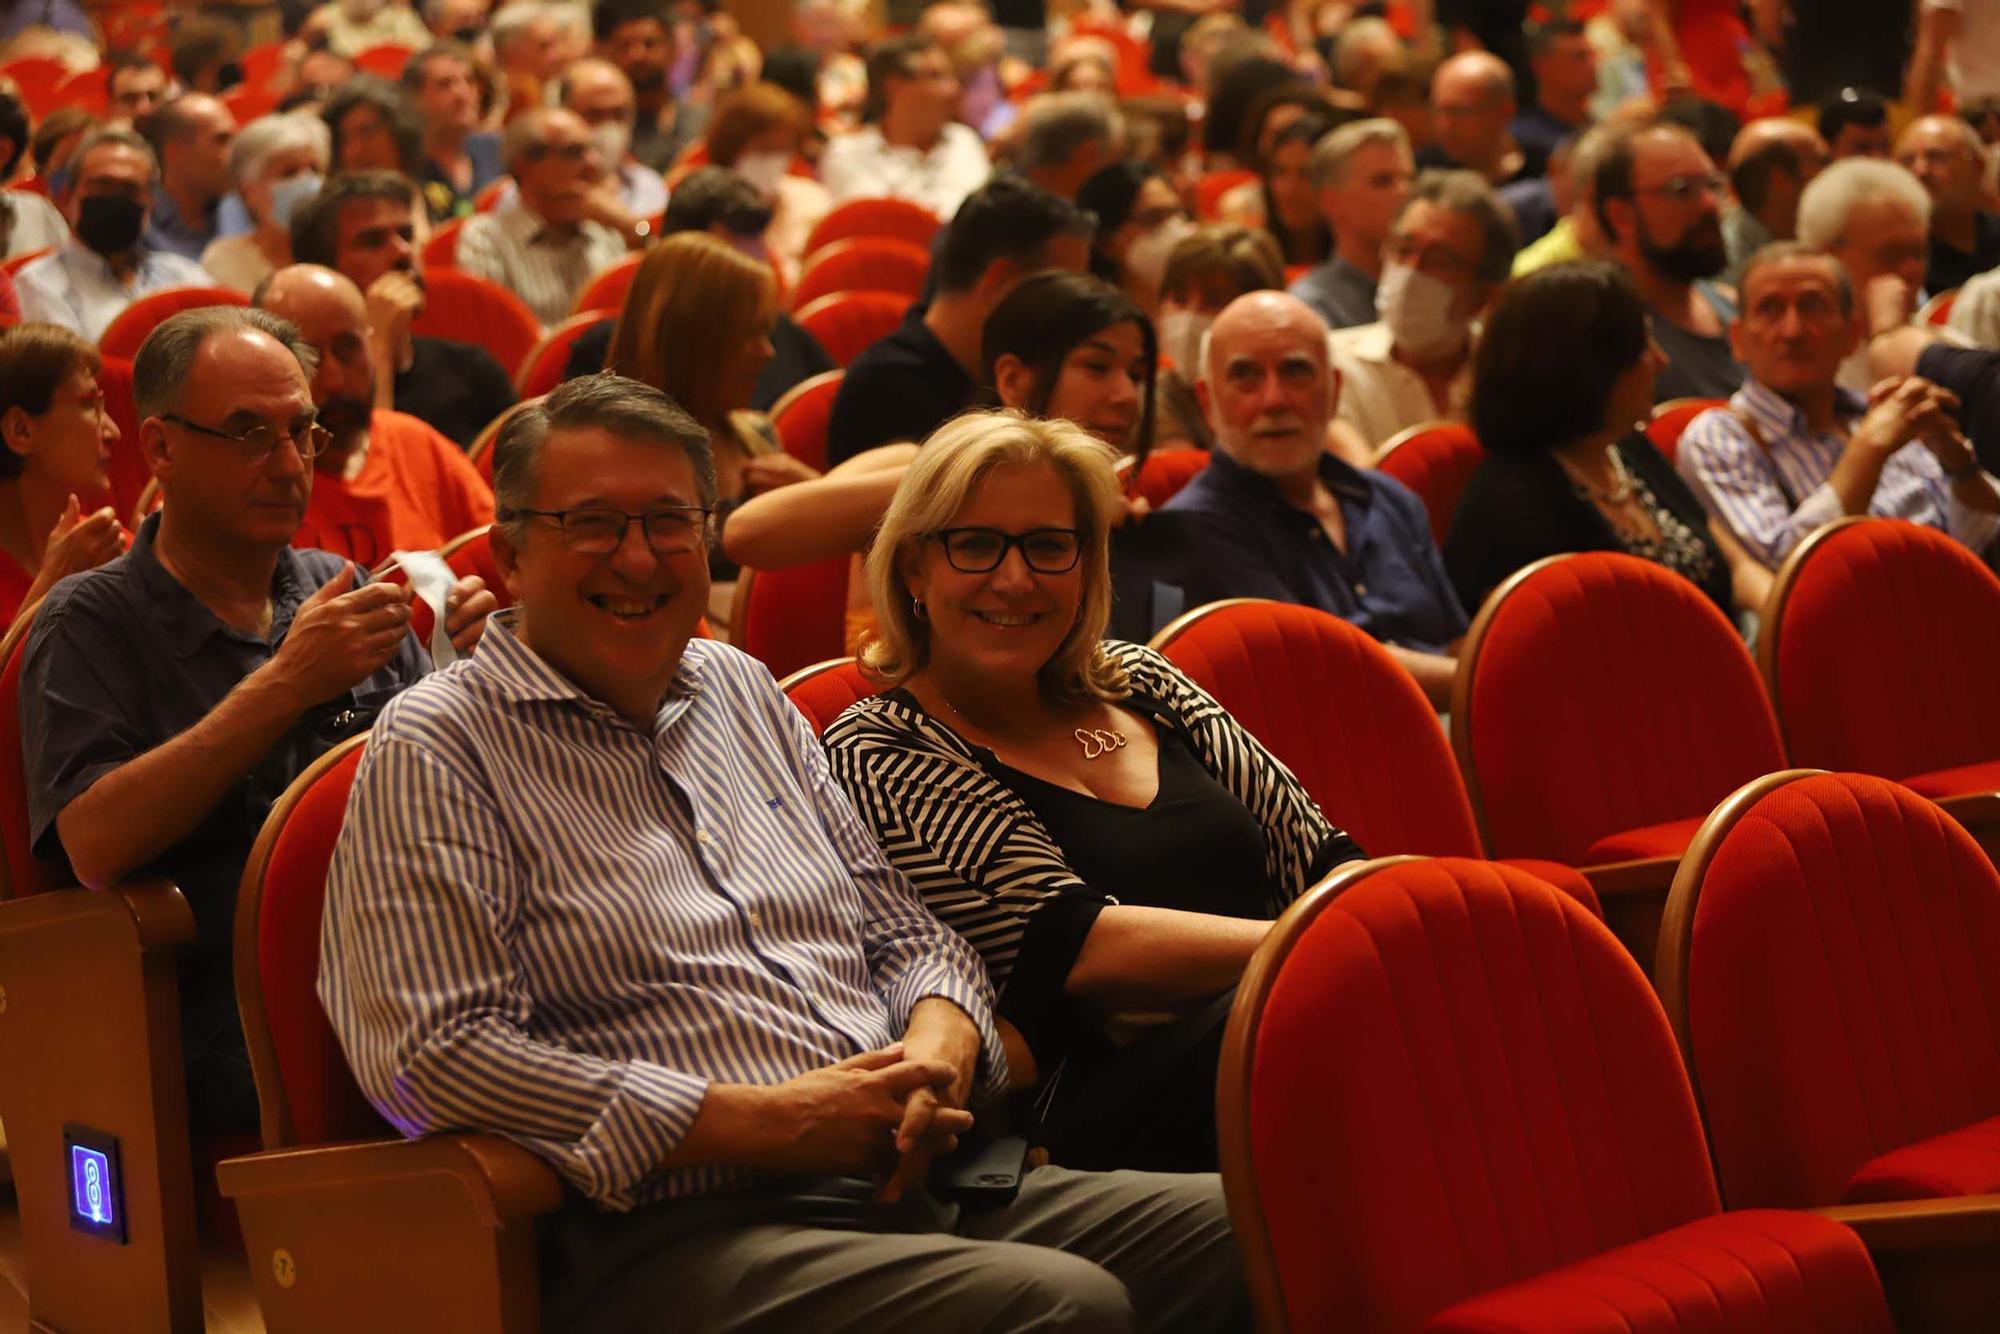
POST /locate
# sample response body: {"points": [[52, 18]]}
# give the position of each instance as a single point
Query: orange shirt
{"points": [[416, 491]]}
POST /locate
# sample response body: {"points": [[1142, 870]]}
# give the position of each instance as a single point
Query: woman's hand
{"points": [[78, 542]]}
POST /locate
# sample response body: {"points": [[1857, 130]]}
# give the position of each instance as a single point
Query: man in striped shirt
{"points": [[1794, 450], [597, 892]]}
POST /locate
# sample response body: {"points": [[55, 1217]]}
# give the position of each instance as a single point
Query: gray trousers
{"points": [[1082, 1251]]}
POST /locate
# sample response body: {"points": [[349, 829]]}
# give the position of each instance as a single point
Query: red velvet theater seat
{"points": [[791, 618], [1435, 460], [1345, 718], [826, 690], [1832, 967], [1450, 1101]]}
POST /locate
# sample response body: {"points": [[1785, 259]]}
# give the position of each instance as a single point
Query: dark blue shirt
{"points": [[1246, 540], [169, 231]]}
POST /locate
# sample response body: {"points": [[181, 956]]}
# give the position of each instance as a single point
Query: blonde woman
{"points": [[1106, 836], [697, 325]]}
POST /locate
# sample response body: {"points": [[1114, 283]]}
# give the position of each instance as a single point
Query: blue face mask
{"points": [[287, 195]]}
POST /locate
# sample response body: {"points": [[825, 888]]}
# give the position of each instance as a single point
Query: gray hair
{"points": [[166, 358], [628, 409], [1466, 193], [267, 136], [1844, 186], [1055, 125], [1330, 155], [510, 21], [1588, 154], [122, 138], [523, 136], [1358, 44]]}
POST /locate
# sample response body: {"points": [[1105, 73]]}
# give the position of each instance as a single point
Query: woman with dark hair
{"points": [[1139, 222], [1282, 201], [56, 436], [374, 128], [1562, 376]]}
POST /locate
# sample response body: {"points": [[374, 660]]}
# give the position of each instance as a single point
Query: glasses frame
{"points": [[1008, 542], [317, 438], [561, 519], [1685, 187]]}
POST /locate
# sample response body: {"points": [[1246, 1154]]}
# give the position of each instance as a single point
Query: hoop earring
{"points": [[917, 609]]}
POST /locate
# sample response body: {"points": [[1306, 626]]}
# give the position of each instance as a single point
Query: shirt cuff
{"points": [[645, 1120], [1821, 507], [938, 980], [1975, 528]]}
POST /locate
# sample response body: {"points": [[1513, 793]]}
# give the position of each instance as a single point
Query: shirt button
{"points": [[1361, 590], [701, 837], [755, 918]]}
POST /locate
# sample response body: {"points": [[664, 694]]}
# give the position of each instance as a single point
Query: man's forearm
{"points": [[940, 1030], [1856, 476], [1433, 671]]}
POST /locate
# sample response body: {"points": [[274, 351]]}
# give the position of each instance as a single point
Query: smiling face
{"points": [[1098, 385]]}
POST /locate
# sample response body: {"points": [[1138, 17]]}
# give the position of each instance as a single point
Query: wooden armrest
{"points": [[502, 1182], [1938, 1260], [1641, 875], [1962, 1221]]}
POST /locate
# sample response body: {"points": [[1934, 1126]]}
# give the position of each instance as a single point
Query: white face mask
{"points": [[1180, 334], [1146, 258], [288, 194], [764, 170], [613, 141], [1417, 309]]}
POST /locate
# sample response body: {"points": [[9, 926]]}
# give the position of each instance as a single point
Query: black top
{"points": [[1534, 163], [1973, 373], [1832, 44], [901, 389], [458, 388], [798, 357], [1951, 268], [1697, 366], [1518, 508]]}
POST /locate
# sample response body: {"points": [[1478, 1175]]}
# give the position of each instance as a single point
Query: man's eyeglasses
{"points": [[258, 443], [567, 152], [595, 531], [1681, 189], [980, 550]]}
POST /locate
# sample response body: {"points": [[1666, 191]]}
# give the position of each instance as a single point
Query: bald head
{"points": [[591, 76], [1770, 163], [331, 316], [1267, 384], [1472, 103], [1946, 155]]}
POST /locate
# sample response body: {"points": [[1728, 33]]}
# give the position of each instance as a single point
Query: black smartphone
{"points": [[983, 1172]]}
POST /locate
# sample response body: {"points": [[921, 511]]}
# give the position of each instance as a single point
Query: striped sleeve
{"points": [[417, 979], [1737, 483]]}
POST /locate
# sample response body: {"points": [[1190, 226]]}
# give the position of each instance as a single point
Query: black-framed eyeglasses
{"points": [[258, 443], [1680, 189], [980, 550], [598, 530]]}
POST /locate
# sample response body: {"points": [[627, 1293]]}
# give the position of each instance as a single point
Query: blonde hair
{"points": [[694, 301], [948, 469]]}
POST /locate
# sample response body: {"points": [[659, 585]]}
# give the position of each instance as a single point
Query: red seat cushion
{"points": [[1565, 878], [1755, 1270], [1670, 839], [1956, 782], [1965, 1161]]}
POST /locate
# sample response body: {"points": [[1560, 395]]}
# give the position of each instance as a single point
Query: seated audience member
{"points": [[598, 92], [545, 243], [1855, 123], [1946, 157], [1361, 173], [279, 163], [203, 52], [182, 686], [352, 26], [191, 137], [314, 77], [1873, 218], [374, 128], [106, 264], [1795, 449], [1282, 200], [1577, 234], [1565, 69], [1080, 809], [634, 35], [460, 160], [1563, 377], [1066, 138], [1275, 515], [28, 220], [1472, 106], [528, 50], [383, 482], [1209, 269], [902, 387], [363, 225], [56, 436], [699, 1128], [1659, 198], [756, 133], [910, 145], [1139, 222], [135, 86], [1770, 165], [1449, 249]]}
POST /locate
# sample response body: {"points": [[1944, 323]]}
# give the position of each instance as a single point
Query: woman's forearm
{"points": [[1138, 958]]}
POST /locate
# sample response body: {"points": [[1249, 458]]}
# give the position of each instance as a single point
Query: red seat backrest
{"points": [[1435, 460], [1670, 420], [794, 617], [545, 366], [385, 60], [1841, 994], [1603, 693], [826, 690], [863, 264], [1162, 475], [304, 1086], [471, 309], [441, 249], [1340, 713], [1881, 651], [605, 293], [1209, 190], [26, 873], [127, 469], [121, 337], [875, 217], [802, 415], [845, 323], [1439, 1080], [15, 263]]}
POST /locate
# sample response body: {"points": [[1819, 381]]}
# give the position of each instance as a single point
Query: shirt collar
{"points": [[528, 226], [1779, 418], [181, 620], [1367, 342], [517, 674], [1339, 477], [81, 255]]}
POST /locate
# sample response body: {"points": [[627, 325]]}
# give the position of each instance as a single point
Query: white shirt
{"points": [[1379, 395], [513, 247], [38, 224], [863, 165], [74, 287], [642, 192], [1974, 63]]}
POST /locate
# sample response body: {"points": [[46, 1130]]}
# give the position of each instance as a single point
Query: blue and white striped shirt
{"points": [[1772, 498], [545, 922]]}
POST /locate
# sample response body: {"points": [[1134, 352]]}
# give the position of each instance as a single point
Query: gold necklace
{"points": [[1095, 741], [1617, 493]]}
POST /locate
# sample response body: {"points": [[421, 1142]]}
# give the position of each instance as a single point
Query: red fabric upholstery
{"points": [[127, 468], [1671, 418], [1607, 694], [1162, 475], [1959, 1162], [37, 78], [544, 367], [794, 617], [325, 1103], [471, 309], [247, 103], [441, 250], [1755, 1270], [87, 90], [121, 337], [802, 414], [26, 873], [1209, 190], [1668, 839], [875, 217], [1842, 996], [824, 695], [1460, 1079], [386, 59], [606, 291], [1565, 878], [15, 263], [863, 264], [1435, 460], [845, 323], [1956, 782], [1885, 648]]}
